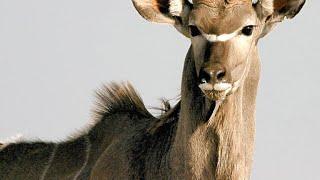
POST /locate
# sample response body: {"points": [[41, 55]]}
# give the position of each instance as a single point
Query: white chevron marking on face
{"points": [[221, 38]]}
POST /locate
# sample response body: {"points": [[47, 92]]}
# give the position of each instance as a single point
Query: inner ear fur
{"points": [[279, 9], [288, 8], [275, 11], [160, 11]]}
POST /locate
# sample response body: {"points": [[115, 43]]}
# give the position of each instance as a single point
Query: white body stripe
{"points": [[46, 168], [86, 159]]}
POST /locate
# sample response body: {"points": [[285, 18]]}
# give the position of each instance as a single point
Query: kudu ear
{"points": [[272, 12], [174, 12]]}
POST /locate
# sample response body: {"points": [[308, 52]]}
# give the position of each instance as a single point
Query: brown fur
{"points": [[202, 137]]}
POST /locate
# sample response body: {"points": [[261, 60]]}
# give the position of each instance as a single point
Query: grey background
{"points": [[54, 54]]}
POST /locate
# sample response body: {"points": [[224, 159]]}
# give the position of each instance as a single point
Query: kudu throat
{"points": [[216, 137]]}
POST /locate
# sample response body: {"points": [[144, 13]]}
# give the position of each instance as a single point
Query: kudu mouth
{"points": [[214, 81], [217, 91], [220, 90]]}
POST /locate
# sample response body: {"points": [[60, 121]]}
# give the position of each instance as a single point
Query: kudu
{"points": [[209, 134]]}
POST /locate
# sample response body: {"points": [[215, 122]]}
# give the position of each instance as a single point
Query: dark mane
{"points": [[122, 98], [118, 98]]}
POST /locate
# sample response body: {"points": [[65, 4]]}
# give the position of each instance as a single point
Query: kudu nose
{"points": [[214, 74]]}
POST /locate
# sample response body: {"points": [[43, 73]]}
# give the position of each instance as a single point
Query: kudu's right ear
{"points": [[174, 12], [271, 12]]}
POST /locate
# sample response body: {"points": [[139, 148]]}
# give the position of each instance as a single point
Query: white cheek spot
{"points": [[176, 7], [222, 86]]}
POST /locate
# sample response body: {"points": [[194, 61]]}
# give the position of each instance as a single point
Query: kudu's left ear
{"points": [[272, 12], [174, 12]]}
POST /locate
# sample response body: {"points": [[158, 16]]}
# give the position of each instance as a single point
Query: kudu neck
{"points": [[219, 147]]}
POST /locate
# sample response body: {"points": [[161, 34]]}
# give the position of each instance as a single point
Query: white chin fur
{"points": [[222, 86], [206, 87], [216, 87]]}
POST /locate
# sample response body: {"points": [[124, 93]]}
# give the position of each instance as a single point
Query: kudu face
{"points": [[223, 33], [223, 37]]}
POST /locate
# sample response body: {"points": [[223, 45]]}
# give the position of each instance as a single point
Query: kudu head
{"points": [[223, 33]]}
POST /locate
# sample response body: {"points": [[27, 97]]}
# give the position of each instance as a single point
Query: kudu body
{"points": [[209, 134]]}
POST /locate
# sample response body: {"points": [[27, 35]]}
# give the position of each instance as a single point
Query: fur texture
{"points": [[199, 138], [118, 98]]}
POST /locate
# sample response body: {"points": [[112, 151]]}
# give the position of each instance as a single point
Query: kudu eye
{"points": [[247, 30], [194, 31]]}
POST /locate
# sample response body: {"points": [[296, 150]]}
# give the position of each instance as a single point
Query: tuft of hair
{"points": [[119, 98], [165, 107]]}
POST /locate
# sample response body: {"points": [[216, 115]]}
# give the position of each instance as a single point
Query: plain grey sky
{"points": [[55, 54]]}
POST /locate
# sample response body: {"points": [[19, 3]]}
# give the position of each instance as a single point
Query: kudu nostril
{"points": [[220, 75], [215, 74], [204, 76]]}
